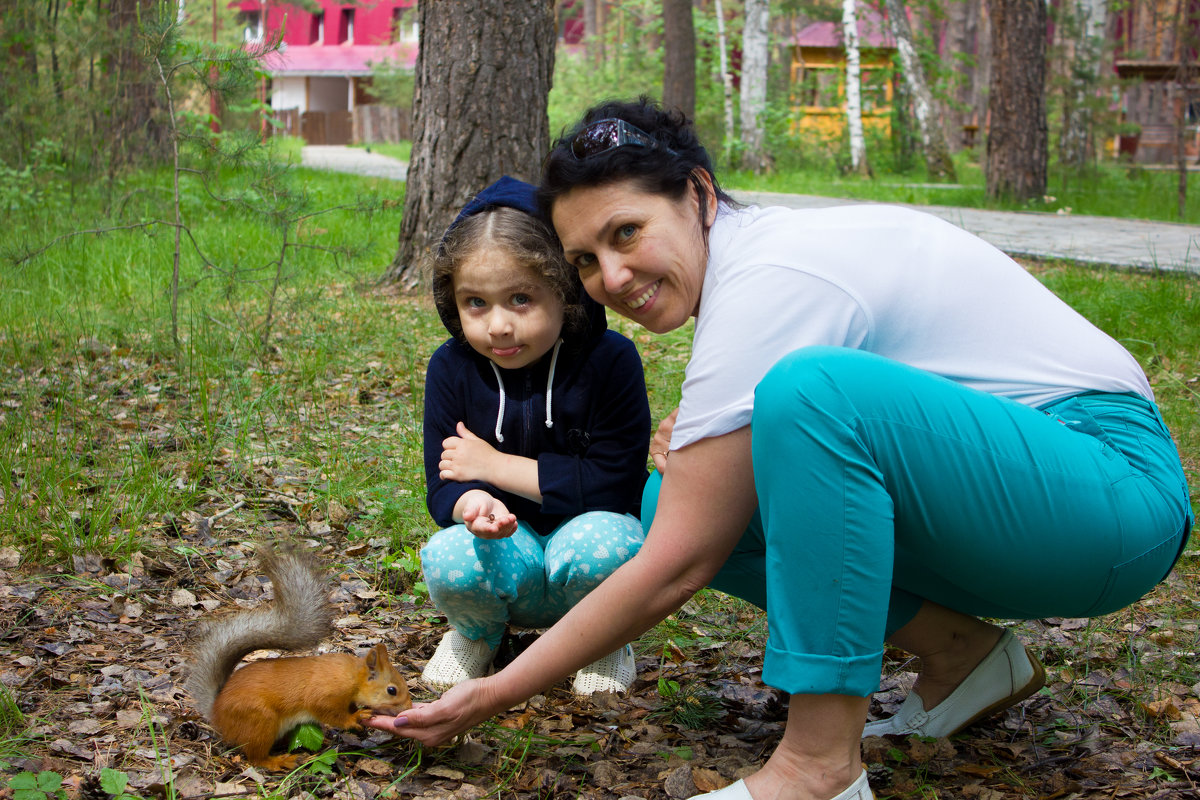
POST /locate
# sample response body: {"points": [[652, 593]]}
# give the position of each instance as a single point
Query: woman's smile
{"points": [[645, 296]]}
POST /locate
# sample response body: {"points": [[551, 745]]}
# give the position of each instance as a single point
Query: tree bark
{"points": [[1017, 138], [483, 77], [933, 139], [858, 142], [754, 85], [18, 78], [968, 39], [1184, 43], [137, 130], [679, 57]]}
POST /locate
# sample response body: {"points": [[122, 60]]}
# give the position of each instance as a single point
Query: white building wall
{"points": [[288, 92], [311, 93]]}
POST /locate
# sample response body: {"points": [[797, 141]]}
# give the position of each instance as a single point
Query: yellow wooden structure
{"points": [[818, 78]]}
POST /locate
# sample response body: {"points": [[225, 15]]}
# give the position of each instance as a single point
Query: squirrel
{"points": [[254, 706]]}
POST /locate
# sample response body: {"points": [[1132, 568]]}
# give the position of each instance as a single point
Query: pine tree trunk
{"points": [[933, 139], [858, 142], [18, 78], [679, 57], [1184, 43], [1017, 137], [137, 131], [754, 85], [968, 37], [483, 77]]}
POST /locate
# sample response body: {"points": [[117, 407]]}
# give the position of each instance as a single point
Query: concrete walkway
{"points": [[352, 159], [1097, 240]]}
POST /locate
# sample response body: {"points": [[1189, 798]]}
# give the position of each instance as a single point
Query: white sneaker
{"points": [[859, 790], [457, 659], [613, 673]]}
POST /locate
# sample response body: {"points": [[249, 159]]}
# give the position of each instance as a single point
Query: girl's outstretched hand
{"points": [[487, 517], [459, 709]]}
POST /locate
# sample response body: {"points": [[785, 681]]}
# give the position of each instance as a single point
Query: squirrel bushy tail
{"points": [[299, 618]]}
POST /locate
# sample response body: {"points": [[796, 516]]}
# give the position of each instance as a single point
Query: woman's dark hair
{"points": [[529, 241], [666, 170]]}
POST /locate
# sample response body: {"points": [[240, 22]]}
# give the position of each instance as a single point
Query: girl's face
{"points": [[507, 313], [641, 254]]}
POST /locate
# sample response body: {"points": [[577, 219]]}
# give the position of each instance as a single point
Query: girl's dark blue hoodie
{"points": [[580, 411]]}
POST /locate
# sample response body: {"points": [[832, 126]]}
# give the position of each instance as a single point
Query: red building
{"points": [[325, 60]]}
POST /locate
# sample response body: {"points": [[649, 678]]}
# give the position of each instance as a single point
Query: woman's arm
{"points": [[706, 502]]}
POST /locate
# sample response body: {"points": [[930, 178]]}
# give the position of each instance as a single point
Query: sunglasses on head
{"points": [[607, 134]]}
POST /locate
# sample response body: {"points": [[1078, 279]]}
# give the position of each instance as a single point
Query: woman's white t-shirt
{"points": [[889, 280]]}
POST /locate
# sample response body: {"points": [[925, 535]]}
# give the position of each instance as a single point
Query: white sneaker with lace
{"points": [[613, 673], [457, 659]]}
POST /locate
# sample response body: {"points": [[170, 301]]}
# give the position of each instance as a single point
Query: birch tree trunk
{"points": [[726, 76], [858, 142], [933, 138], [754, 86], [1090, 19], [478, 113]]}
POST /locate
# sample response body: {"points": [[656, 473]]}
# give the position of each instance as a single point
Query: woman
{"points": [[921, 433]]}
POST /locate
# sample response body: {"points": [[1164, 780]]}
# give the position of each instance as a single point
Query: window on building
{"points": [[819, 87], [404, 24], [252, 25], [317, 36], [348, 25], [875, 94]]}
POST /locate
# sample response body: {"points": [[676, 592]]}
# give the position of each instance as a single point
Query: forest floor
{"points": [[93, 650]]}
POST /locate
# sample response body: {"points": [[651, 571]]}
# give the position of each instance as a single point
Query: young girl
{"points": [[536, 432]]}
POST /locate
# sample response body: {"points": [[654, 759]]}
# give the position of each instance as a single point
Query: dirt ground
{"points": [[94, 656]]}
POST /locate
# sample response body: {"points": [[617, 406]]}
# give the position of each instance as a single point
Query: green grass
{"points": [[113, 441], [111, 434]]}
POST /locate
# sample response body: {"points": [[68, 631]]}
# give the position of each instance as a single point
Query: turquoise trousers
{"points": [[881, 486]]}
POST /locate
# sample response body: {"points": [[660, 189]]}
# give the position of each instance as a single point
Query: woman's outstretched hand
{"points": [[459, 709]]}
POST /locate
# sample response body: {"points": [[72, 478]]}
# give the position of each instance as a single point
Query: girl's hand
{"points": [[660, 444], [460, 708], [466, 457], [485, 516]]}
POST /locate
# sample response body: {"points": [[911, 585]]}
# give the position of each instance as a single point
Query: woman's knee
{"points": [[818, 376]]}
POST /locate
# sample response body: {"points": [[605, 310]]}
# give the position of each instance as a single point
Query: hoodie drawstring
{"points": [[549, 392], [550, 385], [500, 413]]}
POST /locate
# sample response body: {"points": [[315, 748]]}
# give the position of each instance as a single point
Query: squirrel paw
{"points": [[285, 762]]}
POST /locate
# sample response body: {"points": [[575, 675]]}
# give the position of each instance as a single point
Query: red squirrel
{"points": [[254, 706]]}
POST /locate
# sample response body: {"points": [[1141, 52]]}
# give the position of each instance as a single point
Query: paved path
{"points": [[352, 159], [1097, 240]]}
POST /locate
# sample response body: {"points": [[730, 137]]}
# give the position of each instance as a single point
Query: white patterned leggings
{"points": [[481, 585]]}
